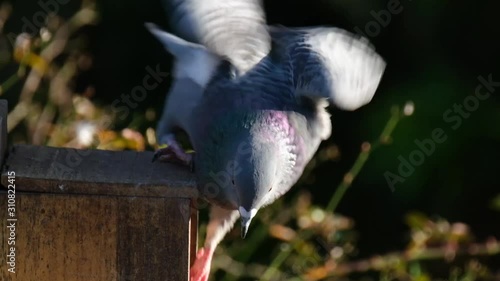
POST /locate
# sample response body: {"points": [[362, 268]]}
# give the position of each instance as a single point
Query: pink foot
{"points": [[201, 267]]}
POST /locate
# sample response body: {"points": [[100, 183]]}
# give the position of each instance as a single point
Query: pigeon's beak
{"points": [[246, 218], [245, 223]]}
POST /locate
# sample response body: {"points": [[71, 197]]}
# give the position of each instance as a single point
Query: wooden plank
{"points": [[61, 237], [66, 237], [4, 111], [153, 239], [127, 173]]}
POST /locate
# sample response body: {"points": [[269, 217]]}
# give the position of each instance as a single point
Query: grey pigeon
{"points": [[252, 100]]}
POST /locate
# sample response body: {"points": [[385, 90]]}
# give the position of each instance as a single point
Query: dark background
{"points": [[435, 51]]}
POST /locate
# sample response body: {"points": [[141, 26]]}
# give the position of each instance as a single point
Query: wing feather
{"points": [[331, 63], [234, 29]]}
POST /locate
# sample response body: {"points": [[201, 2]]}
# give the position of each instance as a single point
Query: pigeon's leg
{"points": [[173, 152], [221, 221]]}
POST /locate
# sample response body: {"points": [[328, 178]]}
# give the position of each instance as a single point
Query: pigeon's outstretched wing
{"points": [[330, 63], [233, 29], [212, 31], [324, 62], [193, 68], [192, 61]]}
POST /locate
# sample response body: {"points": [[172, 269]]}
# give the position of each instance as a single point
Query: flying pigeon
{"points": [[252, 98]]}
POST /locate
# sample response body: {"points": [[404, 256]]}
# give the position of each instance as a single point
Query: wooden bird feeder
{"points": [[94, 215]]}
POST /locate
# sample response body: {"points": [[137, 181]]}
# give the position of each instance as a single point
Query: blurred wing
{"points": [[331, 63], [235, 29], [193, 68], [181, 21], [193, 61]]}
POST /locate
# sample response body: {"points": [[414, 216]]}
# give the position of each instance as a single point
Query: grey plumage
{"points": [[252, 100]]}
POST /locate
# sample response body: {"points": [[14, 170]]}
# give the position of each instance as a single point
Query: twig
{"points": [[363, 156], [34, 78], [11, 81], [386, 261]]}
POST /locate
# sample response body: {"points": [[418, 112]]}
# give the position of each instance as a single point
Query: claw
{"points": [[155, 156], [173, 153], [191, 166], [170, 154]]}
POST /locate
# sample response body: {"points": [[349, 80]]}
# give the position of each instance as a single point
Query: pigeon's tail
{"points": [[193, 61], [332, 63]]}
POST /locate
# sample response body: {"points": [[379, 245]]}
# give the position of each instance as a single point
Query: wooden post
{"points": [[96, 215], [4, 111]]}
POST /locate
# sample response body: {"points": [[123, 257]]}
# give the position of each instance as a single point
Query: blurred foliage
{"points": [[495, 203], [66, 80]]}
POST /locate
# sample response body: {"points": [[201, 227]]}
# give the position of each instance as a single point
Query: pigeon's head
{"points": [[242, 168], [255, 176]]}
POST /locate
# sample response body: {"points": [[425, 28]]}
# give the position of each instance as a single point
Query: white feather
{"points": [[235, 29], [352, 64], [193, 61]]}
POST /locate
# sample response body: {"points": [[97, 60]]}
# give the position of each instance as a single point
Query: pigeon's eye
{"points": [[271, 188]]}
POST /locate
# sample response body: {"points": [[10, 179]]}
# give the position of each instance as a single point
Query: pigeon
{"points": [[252, 99]]}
